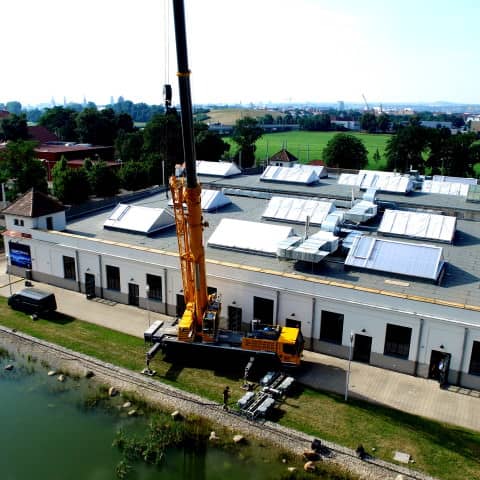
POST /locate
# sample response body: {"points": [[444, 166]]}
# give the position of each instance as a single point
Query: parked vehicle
{"points": [[34, 302]]}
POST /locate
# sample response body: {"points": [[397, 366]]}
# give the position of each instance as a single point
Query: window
{"points": [[15, 221], [475, 359], [113, 278], [397, 341], [69, 268], [49, 223], [154, 287], [263, 310], [331, 328]]}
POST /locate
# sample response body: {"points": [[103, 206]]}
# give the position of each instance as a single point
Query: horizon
{"points": [[272, 52]]}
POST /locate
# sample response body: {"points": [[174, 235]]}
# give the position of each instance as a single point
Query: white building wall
{"points": [[432, 325]]}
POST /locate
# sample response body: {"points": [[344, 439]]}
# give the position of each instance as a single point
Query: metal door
{"points": [[133, 294], [90, 285], [362, 348]]}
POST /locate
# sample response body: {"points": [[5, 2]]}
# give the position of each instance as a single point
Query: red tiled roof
{"points": [[34, 204], [283, 156], [41, 134]]}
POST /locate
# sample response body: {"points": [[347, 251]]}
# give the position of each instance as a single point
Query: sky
{"points": [[248, 51]]}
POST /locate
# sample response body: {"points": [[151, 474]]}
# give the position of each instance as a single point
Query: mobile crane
{"points": [[198, 328]]}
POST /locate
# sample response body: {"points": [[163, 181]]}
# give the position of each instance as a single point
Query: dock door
{"points": [[90, 285], [439, 366]]}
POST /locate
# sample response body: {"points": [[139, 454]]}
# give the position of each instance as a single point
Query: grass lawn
{"points": [[309, 145], [438, 449]]}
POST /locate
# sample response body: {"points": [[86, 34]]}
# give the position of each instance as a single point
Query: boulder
{"points": [[311, 455], [61, 378], [292, 469], [112, 391], [9, 367], [176, 415], [89, 374], [127, 405], [400, 477], [238, 438], [213, 436], [51, 373], [132, 413], [309, 466]]}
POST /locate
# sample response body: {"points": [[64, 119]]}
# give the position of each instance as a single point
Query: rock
{"points": [[176, 415], [284, 460], [89, 374], [112, 391], [132, 413], [127, 405], [310, 455], [292, 469], [213, 436], [9, 367], [400, 477], [309, 466], [239, 438], [51, 373], [401, 457], [61, 378]]}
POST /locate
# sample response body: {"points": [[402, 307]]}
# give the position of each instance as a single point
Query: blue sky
{"points": [[243, 51]]}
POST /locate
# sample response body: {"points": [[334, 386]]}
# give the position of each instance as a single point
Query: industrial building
{"points": [[371, 265]]}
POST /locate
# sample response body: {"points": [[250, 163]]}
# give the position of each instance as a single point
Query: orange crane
{"points": [[199, 323]]}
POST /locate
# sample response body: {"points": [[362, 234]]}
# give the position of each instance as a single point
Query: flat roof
{"points": [[460, 284]]}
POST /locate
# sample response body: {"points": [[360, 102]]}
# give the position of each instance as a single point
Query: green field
{"points": [[308, 146]]}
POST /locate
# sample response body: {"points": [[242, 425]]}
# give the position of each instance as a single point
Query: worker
{"points": [[226, 396]]}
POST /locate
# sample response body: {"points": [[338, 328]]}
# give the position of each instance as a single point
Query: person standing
{"points": [[226, 396]]}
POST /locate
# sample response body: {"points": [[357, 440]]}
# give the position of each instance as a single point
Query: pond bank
{"points": [[170, 398]]}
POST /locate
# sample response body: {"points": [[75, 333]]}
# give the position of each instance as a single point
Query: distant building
{"points": [[347, 124], [283, 158]]}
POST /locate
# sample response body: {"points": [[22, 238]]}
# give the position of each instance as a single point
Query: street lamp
{"points": [[147, 292], [352, 341], [8, 271]]}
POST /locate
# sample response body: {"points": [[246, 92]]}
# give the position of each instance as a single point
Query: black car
{"points": [[33, 301]]}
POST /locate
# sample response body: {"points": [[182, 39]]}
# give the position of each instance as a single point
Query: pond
{"points": [[49, 434]]}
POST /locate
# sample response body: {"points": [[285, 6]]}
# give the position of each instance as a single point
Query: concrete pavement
{"points": [[415, 395]]}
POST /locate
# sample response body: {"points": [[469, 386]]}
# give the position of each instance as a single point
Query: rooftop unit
{"points": [[297, 210], [313, 249]]}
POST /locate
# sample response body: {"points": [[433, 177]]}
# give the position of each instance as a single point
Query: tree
{"points": [[61, 121], [20, 169], [70, 185], [162, 141], [383, 122], [368, 122], [128, 146], [97, 127], [14, 127], [404, 149], [316, 123], [135, 175], [14, 107], [245, 133], [208, 145], [103, 180], [345, 151]]}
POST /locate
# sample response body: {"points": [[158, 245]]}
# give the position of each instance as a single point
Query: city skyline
{"points": [[281, 51]]}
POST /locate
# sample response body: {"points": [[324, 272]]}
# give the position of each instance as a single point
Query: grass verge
{"points": [[438, 449]]}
